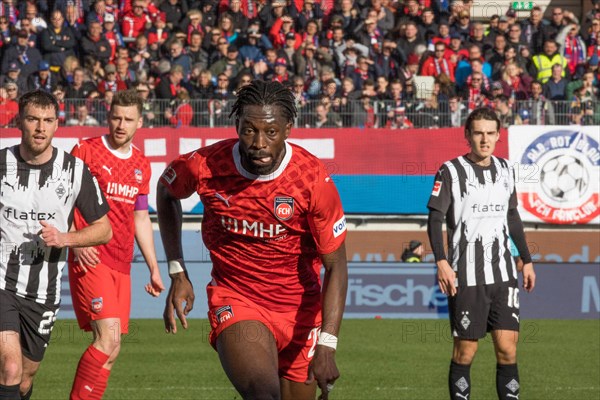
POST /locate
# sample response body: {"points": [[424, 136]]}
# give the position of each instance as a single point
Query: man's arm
{"points": [[445, 274], [170, 222], [517, 233], [335, 285], [97, 232], [145, 240]]}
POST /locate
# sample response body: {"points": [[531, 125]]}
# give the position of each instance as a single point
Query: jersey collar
{"points": [[274, 175]]}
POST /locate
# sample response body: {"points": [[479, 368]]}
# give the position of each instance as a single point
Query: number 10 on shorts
{"points": [[513, 297]]}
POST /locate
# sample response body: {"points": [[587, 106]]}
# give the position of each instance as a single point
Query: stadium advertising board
{"points": [[376, 171], [545, 246], [558, 173], [564, 291]]}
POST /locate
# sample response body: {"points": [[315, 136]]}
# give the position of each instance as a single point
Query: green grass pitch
{"points": [[378, 359]]}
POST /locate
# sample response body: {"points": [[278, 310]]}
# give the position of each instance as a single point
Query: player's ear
{"points": [[140, 122], [288, 129]]}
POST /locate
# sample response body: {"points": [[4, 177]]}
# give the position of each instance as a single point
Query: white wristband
{"points": [[175, 267], [327, 339]]}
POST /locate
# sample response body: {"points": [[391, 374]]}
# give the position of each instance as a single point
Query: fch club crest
{"points": [[284, 207]]}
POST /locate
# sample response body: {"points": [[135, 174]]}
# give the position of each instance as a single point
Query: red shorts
{"points": [[100, 293], [295, 331]]}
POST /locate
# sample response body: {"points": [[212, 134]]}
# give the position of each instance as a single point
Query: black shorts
{"points": [[476, 310], [33, 321]]}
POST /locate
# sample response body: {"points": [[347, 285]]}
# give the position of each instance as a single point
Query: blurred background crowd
{"points": [[350, 63]]}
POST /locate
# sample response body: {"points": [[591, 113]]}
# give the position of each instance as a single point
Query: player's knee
{"points": [[109, 345], [464, 356], [11, 372], [506, 356], [261, 392]]}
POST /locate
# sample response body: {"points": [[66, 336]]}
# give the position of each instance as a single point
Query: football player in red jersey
{"points": [[272, 218], [100, 276]]}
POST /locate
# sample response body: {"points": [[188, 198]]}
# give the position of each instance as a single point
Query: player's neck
{"points": [[123, 148], [477, 160], [36, 159]]}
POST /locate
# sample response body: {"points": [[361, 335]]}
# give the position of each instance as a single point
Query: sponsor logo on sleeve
{"points": [[224, 313], [169, 175], [284, 208], [339, 226], [437, 187]]}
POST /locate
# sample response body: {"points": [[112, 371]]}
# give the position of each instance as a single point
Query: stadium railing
{"points": [[353, 113]]}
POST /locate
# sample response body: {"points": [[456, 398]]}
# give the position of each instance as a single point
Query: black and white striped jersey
{"points": [[475, 201], [28, 195]]}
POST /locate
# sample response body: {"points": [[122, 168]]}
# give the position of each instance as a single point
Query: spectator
{"points": [[555, 88], [443, 34], [74, 20], [272, 11], [556, 24], [135, 21], [282, 30], [324, 118], [387, 61], [495, 55], [229, 65], [68, 67], [532, 30], [37, 21], [174, 11], [225, 25], [112, 34], [541, 110], [171, 84], [307, 65], [474, 93], [544, 62], [464, 68], [198, 56], [111, 81], [289, 48], [364, 113], [97, 13], [462, 25], [57, 42], [582, 108], [251, 51], [141, 55], [82, 117], [13, 75], [281, 74], [223, 89], [363, 71], [413, 252], [9, 107], [586, 81], [124, 72], [94, 43], [313, 12], [428, 28], [437, 63], [79, 88], [477, 37], [239, 20], [515, 39], [505, 113], [574, 49], [25, 57], [182, 114], [457, 113], [192, 23], [43, 79], [408, 43], [515, 84], [158, 33], [178, 57], [299, 94]]}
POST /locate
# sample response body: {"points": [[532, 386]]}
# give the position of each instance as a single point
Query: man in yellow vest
{"points": [[544, 62], [413, 253]]}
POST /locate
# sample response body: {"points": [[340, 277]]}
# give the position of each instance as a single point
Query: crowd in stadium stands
{"points": [[366, 63]]}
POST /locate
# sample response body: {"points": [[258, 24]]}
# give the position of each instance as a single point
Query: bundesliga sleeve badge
{"points": [[437, 188]]}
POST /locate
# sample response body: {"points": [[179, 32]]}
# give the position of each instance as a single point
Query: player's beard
{"points": [[37, 147]]}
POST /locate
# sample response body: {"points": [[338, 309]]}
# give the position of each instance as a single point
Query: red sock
{"points": [[101, 384], [88, 370]]}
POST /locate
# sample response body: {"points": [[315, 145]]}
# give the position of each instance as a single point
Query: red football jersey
{"points": [[122, 178], [265, 234]]}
